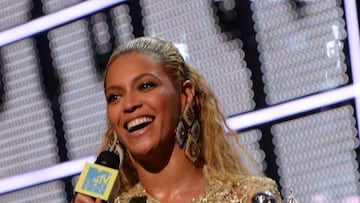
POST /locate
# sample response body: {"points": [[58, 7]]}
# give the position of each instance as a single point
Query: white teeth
{"points": [[138, 121]]}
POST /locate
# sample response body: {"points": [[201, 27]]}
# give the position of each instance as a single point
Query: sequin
{"points": [[215, 190]]}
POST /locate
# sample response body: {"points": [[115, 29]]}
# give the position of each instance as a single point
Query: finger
{"points": [[80, 198], [98, 201]]}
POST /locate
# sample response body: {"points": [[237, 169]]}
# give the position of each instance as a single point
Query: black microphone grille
{"points": [[109, 159]]}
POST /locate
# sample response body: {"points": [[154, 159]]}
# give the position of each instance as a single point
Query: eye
{"points": [[147, 86], [112, 98]]}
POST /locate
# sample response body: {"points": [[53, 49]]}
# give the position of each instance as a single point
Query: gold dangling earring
{"points": [[192, 149], [188, 133], [188, 114], [114, 146], [192, 146]]}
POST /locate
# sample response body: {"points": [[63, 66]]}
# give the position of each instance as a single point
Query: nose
{"points": [[131, 102]]}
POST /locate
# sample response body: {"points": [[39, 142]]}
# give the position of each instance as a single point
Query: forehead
{"points": [[134, 60], [133, 63]]}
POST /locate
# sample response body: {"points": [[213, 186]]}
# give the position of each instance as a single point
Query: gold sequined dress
{"points": [[214, 191]]}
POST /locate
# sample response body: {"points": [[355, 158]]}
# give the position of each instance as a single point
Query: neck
{"points": [[178, 180]]}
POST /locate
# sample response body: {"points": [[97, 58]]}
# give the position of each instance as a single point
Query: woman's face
{"points": [[143, 107]]}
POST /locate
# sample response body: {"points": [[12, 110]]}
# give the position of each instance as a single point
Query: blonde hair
{"points": [[218, 152]]}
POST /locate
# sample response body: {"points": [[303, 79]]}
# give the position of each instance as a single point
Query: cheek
{"points": [[170, 106], [111, 115], [166, 103]]}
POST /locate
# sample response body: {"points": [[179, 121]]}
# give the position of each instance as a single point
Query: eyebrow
{"points": [[133, 80]]}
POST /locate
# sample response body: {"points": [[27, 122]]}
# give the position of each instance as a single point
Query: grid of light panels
{"points": [[308, 38], [27, 127], [211, 52], [311, 151], [316, 155], [28, 139], [205, 42]]}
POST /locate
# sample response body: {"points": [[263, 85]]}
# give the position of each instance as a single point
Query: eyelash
{"points": [[112, 98], [143, 87], [146, 85]]}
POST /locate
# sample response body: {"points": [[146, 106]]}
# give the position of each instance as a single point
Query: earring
{"points": [[192, 149], [180, 133], [192, 146], [189, 114], [188, 133], [114, 146]]}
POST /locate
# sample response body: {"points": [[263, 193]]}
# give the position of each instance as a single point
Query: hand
{"points": [[80, 198]]}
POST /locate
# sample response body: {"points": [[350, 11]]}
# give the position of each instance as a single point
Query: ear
{"points": [[188, 92]]}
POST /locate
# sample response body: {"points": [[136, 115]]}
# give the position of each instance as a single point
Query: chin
{"points": [[140, 151]]}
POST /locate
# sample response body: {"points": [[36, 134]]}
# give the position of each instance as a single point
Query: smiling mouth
{"points": [[138, 123]]}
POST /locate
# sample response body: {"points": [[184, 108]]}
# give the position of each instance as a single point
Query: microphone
{"points": [[99, 180]]}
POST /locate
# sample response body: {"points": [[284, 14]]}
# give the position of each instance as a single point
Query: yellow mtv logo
{"points": [[97, 181]]}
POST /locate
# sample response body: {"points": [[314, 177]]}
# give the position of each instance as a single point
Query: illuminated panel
{"points": [[301, 47], [50, 192], [219, 59], [121, 22], [352, 25], [13, 13], [250, 140], [49, 21], [50, 6], [316, 155], [26, 127], [81, 101], [101, 33], [81, 98], [27, 133]]}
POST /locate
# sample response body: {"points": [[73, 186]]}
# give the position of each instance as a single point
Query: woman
{"points": [[172, 132]]}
